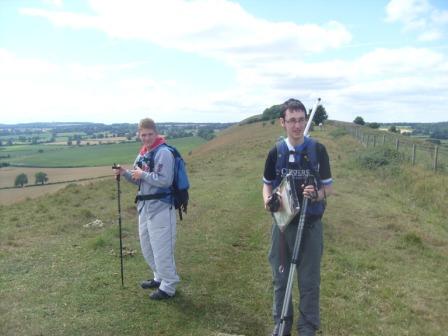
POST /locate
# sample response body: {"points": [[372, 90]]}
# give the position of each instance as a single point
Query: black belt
{"points": [[150, 197]]}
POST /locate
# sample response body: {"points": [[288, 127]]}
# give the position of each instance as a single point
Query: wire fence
{"points": [[414, 151]]}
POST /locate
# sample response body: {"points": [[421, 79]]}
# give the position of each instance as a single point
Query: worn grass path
{"points": [[384, 268]]}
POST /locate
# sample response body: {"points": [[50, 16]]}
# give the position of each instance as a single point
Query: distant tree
{"points": [[272, 112], [320, 116], [21, 180], [443, 134], [9, 143], [41, 178], [69, 142], [359, 121], [78, 142], [374, 125], [206, 133], [393, 129]]}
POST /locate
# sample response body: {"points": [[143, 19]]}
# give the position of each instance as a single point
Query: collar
{"points": [[297, 148], [159, 141]]}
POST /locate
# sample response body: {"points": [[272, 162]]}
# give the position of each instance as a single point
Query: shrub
{"points": [[380, 156]]}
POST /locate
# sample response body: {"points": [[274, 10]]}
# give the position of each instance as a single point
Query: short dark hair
{"points": [[292, 105]]}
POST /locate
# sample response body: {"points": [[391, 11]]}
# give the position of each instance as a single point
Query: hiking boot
{"points": [[160, 295], [307, 332], [150, 284]]}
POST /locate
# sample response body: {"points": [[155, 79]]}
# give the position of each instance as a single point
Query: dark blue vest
{"points": [[306, 166]]}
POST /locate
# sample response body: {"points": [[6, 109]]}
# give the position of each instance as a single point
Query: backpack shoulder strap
{"points": [[281, 162], [152, 154]]}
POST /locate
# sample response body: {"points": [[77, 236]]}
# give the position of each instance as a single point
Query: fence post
{"points": [[384, 139], [413, 154], [367, 140], [374, 141], [436, 154], [397, 145]]}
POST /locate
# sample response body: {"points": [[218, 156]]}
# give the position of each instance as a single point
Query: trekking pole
{"points": [[117, 177], [298, 240], [292, 267], [310, 119]]}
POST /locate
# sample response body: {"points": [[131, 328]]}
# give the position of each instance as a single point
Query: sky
{"points": [[113, 61]]}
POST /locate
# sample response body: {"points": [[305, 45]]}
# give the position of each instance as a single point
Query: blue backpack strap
{"points": [[311, 151], [281, 161], [314, 208]]}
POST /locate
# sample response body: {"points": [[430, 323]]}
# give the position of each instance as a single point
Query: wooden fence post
{"points": [[397, 145], [436, 154], [374, 141], [384, 139], [413, 154]]}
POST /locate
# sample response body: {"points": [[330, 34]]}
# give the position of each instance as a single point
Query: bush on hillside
{"points": [[377, 157], [338, 132]]}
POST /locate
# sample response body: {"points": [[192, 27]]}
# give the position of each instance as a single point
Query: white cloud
{"points": [[268, 59], [409, 12], [219, 28], [420, 16]]}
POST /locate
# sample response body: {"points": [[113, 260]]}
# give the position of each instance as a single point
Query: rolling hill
{"points": [[383, 273]]}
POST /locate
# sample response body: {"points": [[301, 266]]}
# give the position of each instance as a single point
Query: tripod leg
{"points": [[294, 261]]}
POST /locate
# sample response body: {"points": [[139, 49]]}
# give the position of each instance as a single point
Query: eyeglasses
{"points": [[295, 121]]}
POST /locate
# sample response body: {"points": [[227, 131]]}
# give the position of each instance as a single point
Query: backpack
{"points": [[180, 186]]}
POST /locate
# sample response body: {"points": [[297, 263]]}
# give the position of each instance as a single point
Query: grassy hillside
{"points": [[384, 266]]}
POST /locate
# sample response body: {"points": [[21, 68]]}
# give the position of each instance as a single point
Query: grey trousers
{"points": [[157, 240], [308, 272]]}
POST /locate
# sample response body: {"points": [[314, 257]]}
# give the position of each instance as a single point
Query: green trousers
{"points": [[308, 274]]}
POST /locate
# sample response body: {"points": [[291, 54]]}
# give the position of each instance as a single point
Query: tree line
{"points": [[22, 179], [438, 131]]}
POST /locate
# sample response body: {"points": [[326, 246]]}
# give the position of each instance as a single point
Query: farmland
{"points": [[83, 156], [68, 164]]}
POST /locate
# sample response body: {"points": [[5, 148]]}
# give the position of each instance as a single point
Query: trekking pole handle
{"points": [[115, 166], [310, 119]]}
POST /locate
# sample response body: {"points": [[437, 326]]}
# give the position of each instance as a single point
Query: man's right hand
{"points": [[118, 170]]}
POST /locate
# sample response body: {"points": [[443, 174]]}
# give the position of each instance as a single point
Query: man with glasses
{"points": [[302, 157]]}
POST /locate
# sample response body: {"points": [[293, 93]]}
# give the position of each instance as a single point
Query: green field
{"points": [[384, 270], [85, 156]]}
